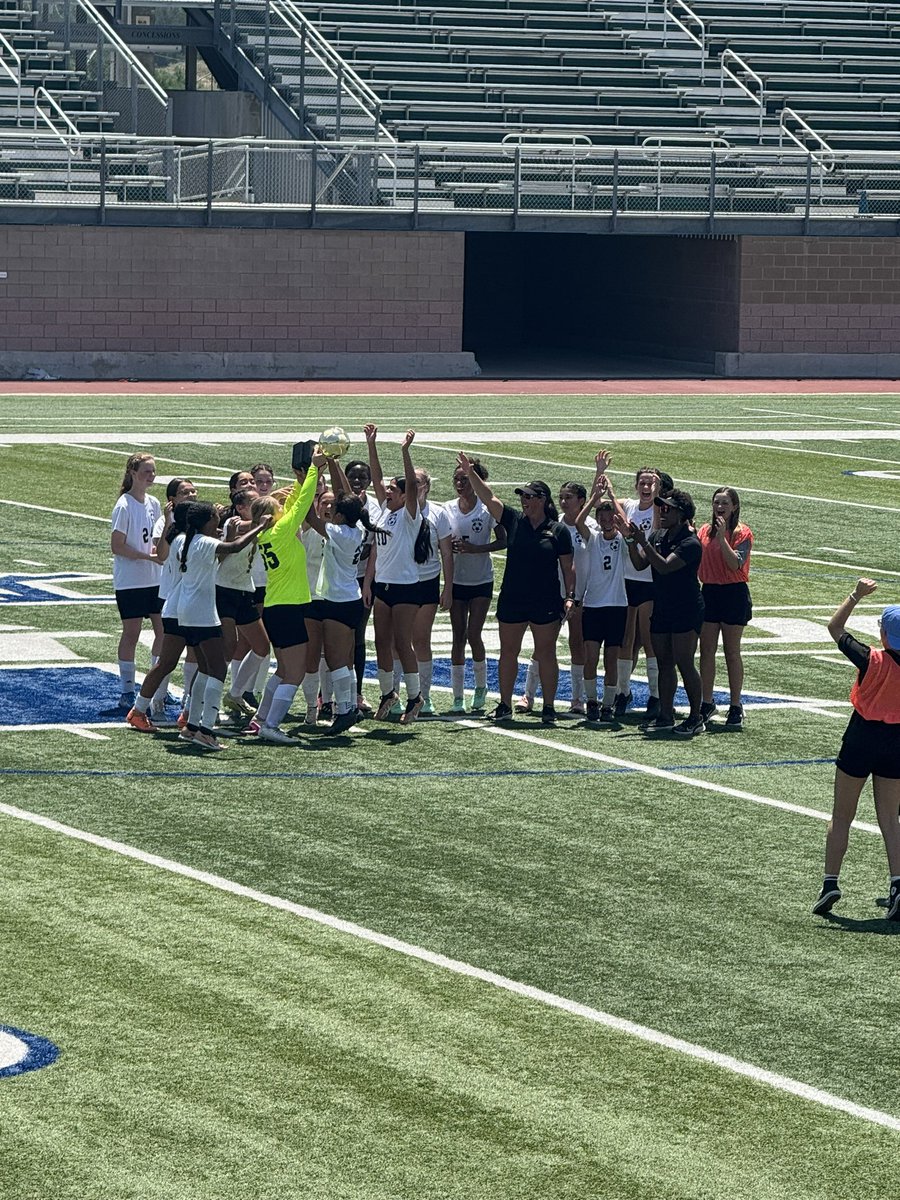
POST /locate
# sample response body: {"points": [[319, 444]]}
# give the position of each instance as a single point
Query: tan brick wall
{"points": [[174, 290], [818, 295]]}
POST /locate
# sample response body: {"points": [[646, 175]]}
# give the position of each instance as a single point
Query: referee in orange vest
{"points": [[871, 746]]}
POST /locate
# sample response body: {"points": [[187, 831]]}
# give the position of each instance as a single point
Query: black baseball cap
{"points": [[670, 501], [537, 487]]}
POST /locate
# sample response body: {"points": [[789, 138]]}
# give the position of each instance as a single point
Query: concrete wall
{"points": [[167, 303]]}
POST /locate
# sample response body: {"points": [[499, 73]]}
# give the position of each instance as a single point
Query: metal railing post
{"points": [[268, 35], [104, 176], [340, 101], [517, 183], [217, 19], [314, 183], [614, 215], [209, 181], [302, 105], [712, 190], [415, 211], [808, 195]]}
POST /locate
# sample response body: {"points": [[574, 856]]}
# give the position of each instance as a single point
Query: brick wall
{"points": [[818, 295], [159, 291]]}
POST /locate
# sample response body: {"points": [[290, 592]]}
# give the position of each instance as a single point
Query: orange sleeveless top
{"points": [[877, 698]]}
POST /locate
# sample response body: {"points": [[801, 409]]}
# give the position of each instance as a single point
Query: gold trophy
{"points": [[334, 442]]}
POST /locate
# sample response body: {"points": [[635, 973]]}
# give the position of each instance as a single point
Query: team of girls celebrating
{"points": [[294, 573]]}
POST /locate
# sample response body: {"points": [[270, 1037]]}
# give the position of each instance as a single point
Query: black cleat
{"points": [[501, 713], [828, 898]]}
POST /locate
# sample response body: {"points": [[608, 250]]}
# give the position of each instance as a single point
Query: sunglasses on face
{"points": [[529, 495], [665, 508]]}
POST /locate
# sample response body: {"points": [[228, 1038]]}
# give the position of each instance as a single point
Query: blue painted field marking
{"points": [[27, 589], [21, 1051]]}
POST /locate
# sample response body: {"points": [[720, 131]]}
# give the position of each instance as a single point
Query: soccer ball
{"points": [[334, 442]]}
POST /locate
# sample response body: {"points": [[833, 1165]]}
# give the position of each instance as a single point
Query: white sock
{"points": [[577, 682], [266, 702], [386, 681], [590, 689], [243, 678], [232, 673], [398, 675], [344, 680], [141, 703], [326, 686], [262, 675], [426, 672], [212, 700], [126, 674], [609, 695], [198, 690], [190, 674], [413, 686], [623, 680], [480, 673], [458, 679], [653, 676], [159, 696], [280, 704], [311, 688], [532, 679]]}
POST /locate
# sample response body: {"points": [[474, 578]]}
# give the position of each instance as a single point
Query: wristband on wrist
{"points": [[853, 596]]}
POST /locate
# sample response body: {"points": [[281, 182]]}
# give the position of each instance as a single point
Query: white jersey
{"points": [[197, 594], [342, 554], [136, 519], [606, 583], [436, 516], [235, 570], [368, 539], [477, 528], [580, 559], [395, 539], [170, 581], [643, 518], [258, 571], [314, 545]]}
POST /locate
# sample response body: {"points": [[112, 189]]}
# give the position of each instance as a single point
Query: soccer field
{"points": [[449, 960]]}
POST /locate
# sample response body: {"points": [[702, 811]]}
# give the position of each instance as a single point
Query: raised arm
{"points": [[371, 432], [410, 483], [837, 624], [480, 487], [240, 543], [581, 520], [339, 481], [301, 498]]}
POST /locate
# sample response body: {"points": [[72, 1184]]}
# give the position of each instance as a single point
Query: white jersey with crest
{"points": [[606, 584], [580, 559], [476, 527], [395, 540], [436, 516], [236, 570], [343, 549], [136, 519], [643, 518]]}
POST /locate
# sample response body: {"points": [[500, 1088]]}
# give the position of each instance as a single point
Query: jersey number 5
{"points": [[270, 558]]}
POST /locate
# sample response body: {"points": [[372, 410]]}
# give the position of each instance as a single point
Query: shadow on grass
{"points": [[876, 925]]}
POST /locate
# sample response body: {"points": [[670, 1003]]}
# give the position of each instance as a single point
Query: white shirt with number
{"points": [[580, 560], [197, 595], [643, 518], [395, 540], [236, 570], [342, 553], [136, 519], [606, 583], [476, 528], [436, 516]]}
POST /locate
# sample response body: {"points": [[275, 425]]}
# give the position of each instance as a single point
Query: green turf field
{"points": [[295, 972]]}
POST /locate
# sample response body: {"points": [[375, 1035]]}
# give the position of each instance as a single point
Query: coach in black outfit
{"points": [[674, 554], [539, 546]]}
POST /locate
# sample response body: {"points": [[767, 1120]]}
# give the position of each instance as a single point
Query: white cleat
{"points": [[271, 733]]}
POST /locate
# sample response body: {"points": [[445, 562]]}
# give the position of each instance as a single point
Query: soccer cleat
{"points": [[363, 705], [576, 708], [893, 908], [502, 712], [126, 700], [827, 899], [344, 721], [620, 705], [253, 727], [187, 735], [658, 725], [525, 705], [427, 709], [312, 716], [479, 700], [397, 708], [652, 708], [386, 706], [593, 710], [707, 710], [326, 711], [206, 741], [548, 715], [734, 722], [690, 727], [140, 721], [238, 705], [412, 710], [458, 705], [607, 714], [271, 733]]}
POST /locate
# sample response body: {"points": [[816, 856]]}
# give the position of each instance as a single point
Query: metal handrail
{"points": [[731, 56], [124, 51], [668, 11], [15, 77], [39, 112], [661, 142], [808, 129]]}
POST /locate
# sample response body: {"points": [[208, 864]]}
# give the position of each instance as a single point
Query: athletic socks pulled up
{"points": [[279, 707], [344, 681], [268, 695], [457, 680], [426, 672], [126, 674], [212, 702]]}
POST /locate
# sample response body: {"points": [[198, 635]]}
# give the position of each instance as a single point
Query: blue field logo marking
{"points": [[48, 588], [21, 1051], [69, 695]]}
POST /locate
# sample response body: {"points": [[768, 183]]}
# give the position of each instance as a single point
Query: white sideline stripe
{"points": [[891, 462], [824, 562], [180, 462], [673, 776], [644, 1033], [62, 512], [85, 731], [787, 412]]}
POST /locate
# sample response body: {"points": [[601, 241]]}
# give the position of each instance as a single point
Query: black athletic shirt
{"points": [[858, 653], [679, 590], [532, 558]]}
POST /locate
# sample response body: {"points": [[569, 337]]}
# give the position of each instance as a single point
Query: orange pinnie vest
{"points": [[877, 698]]}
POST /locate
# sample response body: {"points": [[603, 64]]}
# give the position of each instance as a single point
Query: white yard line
{"points": [[824, 562], [644, 1033], [891, 462], [62, 512], [788, 412], [658, 773]]}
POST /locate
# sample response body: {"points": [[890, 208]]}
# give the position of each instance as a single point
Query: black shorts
{"points": [[870, 748], [727, 603], [312, 611], [285, 625], [676, 620], [138, 602], [194, 635], [396, 593], [236, 605], [473, 591], [347, 612], [259, 594], [528, 611], [604, 625], [639, 591], [429, 590], [172, 628]]}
